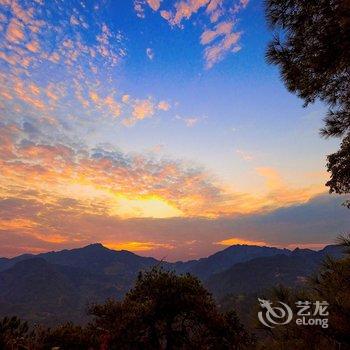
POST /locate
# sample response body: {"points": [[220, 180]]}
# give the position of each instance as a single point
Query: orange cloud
{"points": [[223, 28], [33, 46], [143, 109], [15, 31], [163, 105]]}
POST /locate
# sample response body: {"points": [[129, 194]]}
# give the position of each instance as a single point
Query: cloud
{"points": [[14, 31], [154, 4], [150, 53], [163, 106], [115, 184], [125, 185], [142, 109], [158, 148], [185, 9], [228, 39], [223, 28], [215, 53], [272, 177], [189, 121], [139, 6], [280, 191], [245, 156]]}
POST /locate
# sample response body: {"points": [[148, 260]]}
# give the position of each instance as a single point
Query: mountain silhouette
{"points": [[57, 286]]}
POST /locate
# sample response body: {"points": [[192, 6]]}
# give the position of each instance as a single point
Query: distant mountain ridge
{"points": [[56, 286], [224, 259], [96, 256]]}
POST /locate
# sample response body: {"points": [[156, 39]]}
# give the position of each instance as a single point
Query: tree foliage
{"points": [[167, 311], [339, 166], [312, 49]]}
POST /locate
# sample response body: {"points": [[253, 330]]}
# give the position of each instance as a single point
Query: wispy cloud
{"points": [[280, 191], [244, 155], [189, 121]]}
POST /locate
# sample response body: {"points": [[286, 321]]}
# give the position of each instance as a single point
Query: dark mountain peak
{"points": [[95, 246]]}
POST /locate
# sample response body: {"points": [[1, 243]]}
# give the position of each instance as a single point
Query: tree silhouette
{"points": [[167, 311], [312, 49]]}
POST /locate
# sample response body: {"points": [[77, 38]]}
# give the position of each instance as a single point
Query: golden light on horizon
{"points": [[235, 241], [137, 246]]}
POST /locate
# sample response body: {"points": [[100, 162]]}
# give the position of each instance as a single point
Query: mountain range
{"points": [[57, 286]]}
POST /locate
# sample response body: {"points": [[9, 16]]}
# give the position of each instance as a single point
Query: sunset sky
{"points": [[157, 127]]}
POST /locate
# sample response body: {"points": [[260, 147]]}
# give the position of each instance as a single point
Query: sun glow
{"points": [[148, 206]]}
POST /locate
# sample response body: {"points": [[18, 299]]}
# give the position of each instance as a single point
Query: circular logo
{"points": [[274, 315]]}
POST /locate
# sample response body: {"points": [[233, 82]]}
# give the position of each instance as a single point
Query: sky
{"points": [[157, 127]]}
